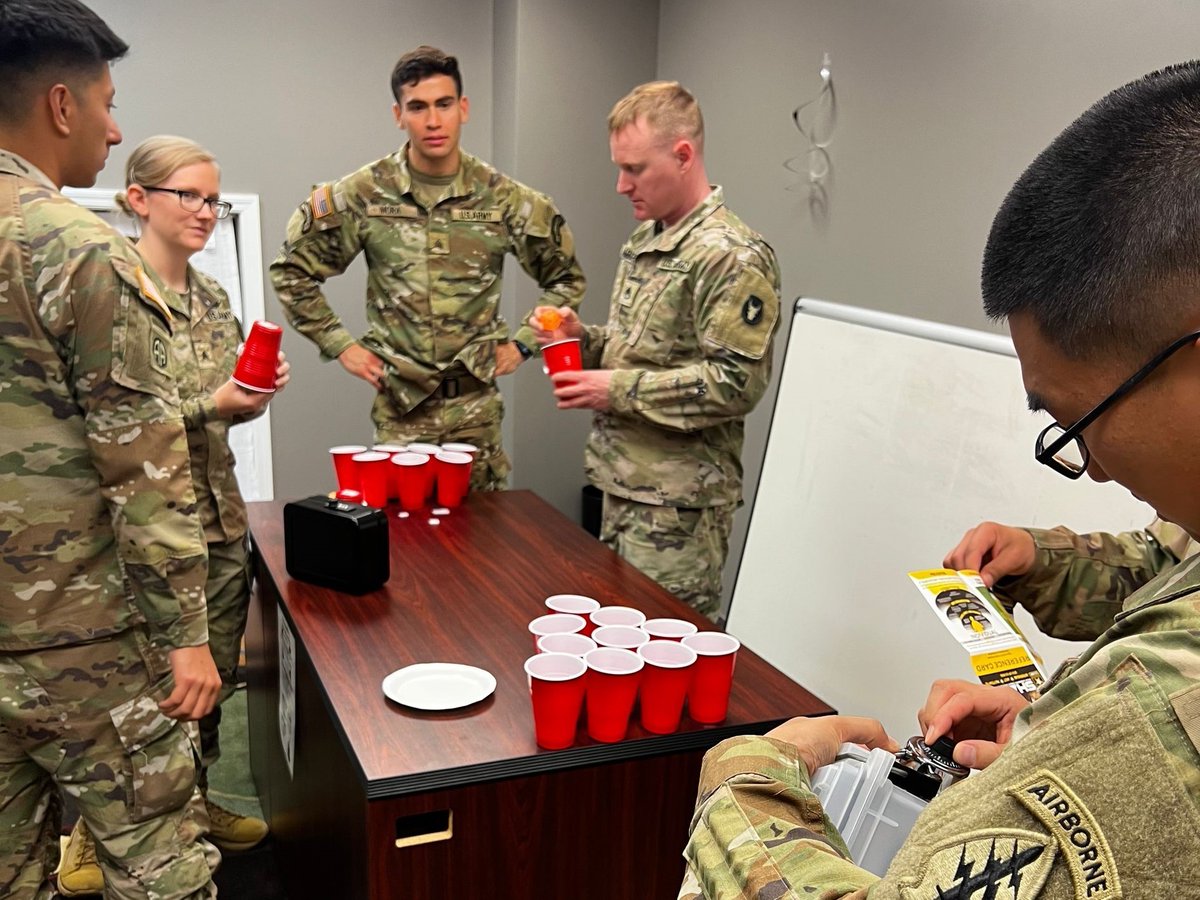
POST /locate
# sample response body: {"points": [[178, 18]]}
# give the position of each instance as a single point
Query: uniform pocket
{"points": [[161, 759], [658, 311]]}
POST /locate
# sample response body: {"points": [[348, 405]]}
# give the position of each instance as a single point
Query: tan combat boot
{"points": [[229, 831], [79, 873]]}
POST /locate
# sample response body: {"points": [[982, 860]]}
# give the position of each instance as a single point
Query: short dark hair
{"points": [[43, 42], [419, 64], [1099, 239]]}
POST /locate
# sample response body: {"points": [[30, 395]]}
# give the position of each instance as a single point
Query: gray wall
{"points": [[941, 105]]}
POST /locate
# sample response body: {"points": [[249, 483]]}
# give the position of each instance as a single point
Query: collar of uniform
{"points": [[12, 164], [466, 182], [669, 239], [200, 287]]}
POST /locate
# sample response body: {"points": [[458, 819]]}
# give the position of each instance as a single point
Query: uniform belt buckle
{"points": [[451, 388]]}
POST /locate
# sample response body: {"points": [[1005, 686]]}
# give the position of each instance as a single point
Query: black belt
{"points": [[455, 386]]}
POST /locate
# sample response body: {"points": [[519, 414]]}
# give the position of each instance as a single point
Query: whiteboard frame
{"points": [[247, 213]]}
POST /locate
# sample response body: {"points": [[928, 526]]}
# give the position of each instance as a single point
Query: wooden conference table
{"points": [[480, 810]]}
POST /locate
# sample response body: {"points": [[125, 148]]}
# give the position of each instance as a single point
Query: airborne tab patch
{"points": [[475, 215], [671, 264], [1007, 863], [1078, 834]]}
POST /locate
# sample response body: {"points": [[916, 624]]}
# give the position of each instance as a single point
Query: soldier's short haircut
{"points": [[156, 159], [417, 65], [1099, 240], [47, 42], [667, 107]]}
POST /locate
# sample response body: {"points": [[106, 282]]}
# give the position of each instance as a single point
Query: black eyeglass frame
{"points": [[220, 208], [1046, 455]]}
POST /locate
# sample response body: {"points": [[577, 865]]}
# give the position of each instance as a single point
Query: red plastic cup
{"points": [[555, 623], [612, 686], [391, 450], [344, 466], [573, 644], [712, 676], [453, 477], [455, 447], [430, 450], [556, 686], [576, 604], [617, 615], [256, 364], [625, 636], [562, 356], [668, 629], [373, 474], [409, 474], [665, 681]]}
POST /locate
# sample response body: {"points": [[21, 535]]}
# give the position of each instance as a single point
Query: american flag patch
{"points": [[322, 202]]}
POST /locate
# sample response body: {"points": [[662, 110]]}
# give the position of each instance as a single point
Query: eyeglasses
{"points": [[1063, 449], [193, 202]]}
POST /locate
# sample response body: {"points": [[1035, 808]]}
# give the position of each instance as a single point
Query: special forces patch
{"points": [[752, 311], [998, 865]]}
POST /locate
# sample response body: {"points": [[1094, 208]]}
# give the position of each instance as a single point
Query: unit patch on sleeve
{"points": [[1077, 832], [1007, 864]]}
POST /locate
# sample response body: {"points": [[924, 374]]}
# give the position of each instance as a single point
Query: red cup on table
{"points": [[617, 615], [373, 475], [556, 687], [612, 686], [576, 604], [430, 450], [562, 356], [453, 477], [624, 636], [459, 447], [391, 450], [256, 364], [712, 675], [554, 623], [665, 680], [572, 644], [668, 629], [344, 466], [409, 475]]}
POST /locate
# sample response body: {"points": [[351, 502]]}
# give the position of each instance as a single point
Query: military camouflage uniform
{"points": [[102, 561], [694, 310], [1096, 796], [433, 292], [207, 353], [1078, 582]]}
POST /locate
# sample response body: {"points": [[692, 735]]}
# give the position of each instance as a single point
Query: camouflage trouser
{"points": [[682, 549], [84, 719], [228, 593], [473, 418]]}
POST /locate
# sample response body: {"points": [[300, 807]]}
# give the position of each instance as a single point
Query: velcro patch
{"points": [[670, 264], [322, 201], [160, 357], [745, 320], [476, 215], [217, 314], [394, 210], [1083, 845], [1008, 863]]}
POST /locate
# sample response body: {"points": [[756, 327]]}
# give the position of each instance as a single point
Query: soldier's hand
{"points": [[979, 717], [995, 551], [508, 357], [567, 326], [819, 739], [197, 684], [282, 373], [582, 390], [362, 363]]}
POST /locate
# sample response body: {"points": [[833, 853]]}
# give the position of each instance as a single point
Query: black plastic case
{"points": [[336, 544]]}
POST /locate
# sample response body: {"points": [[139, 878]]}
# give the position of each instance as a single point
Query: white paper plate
{"points": [[438, 685]]}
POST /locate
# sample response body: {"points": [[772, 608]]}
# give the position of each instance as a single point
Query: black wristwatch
{"points": [[523, 350]]}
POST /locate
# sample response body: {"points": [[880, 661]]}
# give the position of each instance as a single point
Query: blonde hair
{"points": [[667, 107], [155, 159]]}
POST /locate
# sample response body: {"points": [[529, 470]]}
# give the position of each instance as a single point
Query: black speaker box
{"points": [[336, 544]]}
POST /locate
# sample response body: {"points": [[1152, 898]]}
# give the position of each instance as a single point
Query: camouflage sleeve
{"points": [[737, 312], [119, 343], [198, 410], [545, 248], [318, 245], [1080, 581], [592, 345], [759, 830]]}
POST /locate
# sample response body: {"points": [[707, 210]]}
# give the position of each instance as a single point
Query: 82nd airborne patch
{"points": [[1008, 864]]}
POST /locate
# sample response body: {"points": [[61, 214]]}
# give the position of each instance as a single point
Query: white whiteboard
{"points": [[233, 256], [889, 439]]}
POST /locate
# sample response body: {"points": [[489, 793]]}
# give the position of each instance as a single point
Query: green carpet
{"points": [[229, 780]]}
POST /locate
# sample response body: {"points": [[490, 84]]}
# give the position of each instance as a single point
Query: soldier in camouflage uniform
{"points": [[685, 355], [435, 223], [103, 643], [1072, 584], [1097, 792]]}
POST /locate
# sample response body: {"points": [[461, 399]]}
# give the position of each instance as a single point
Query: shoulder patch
{"points": [[1008, 863], [1083, 845], [321, 202], [745, 318], [393, 210], [476, 215], [671, 264]]}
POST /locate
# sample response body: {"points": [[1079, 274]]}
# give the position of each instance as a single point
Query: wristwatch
{"points": [[523, 350]]}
